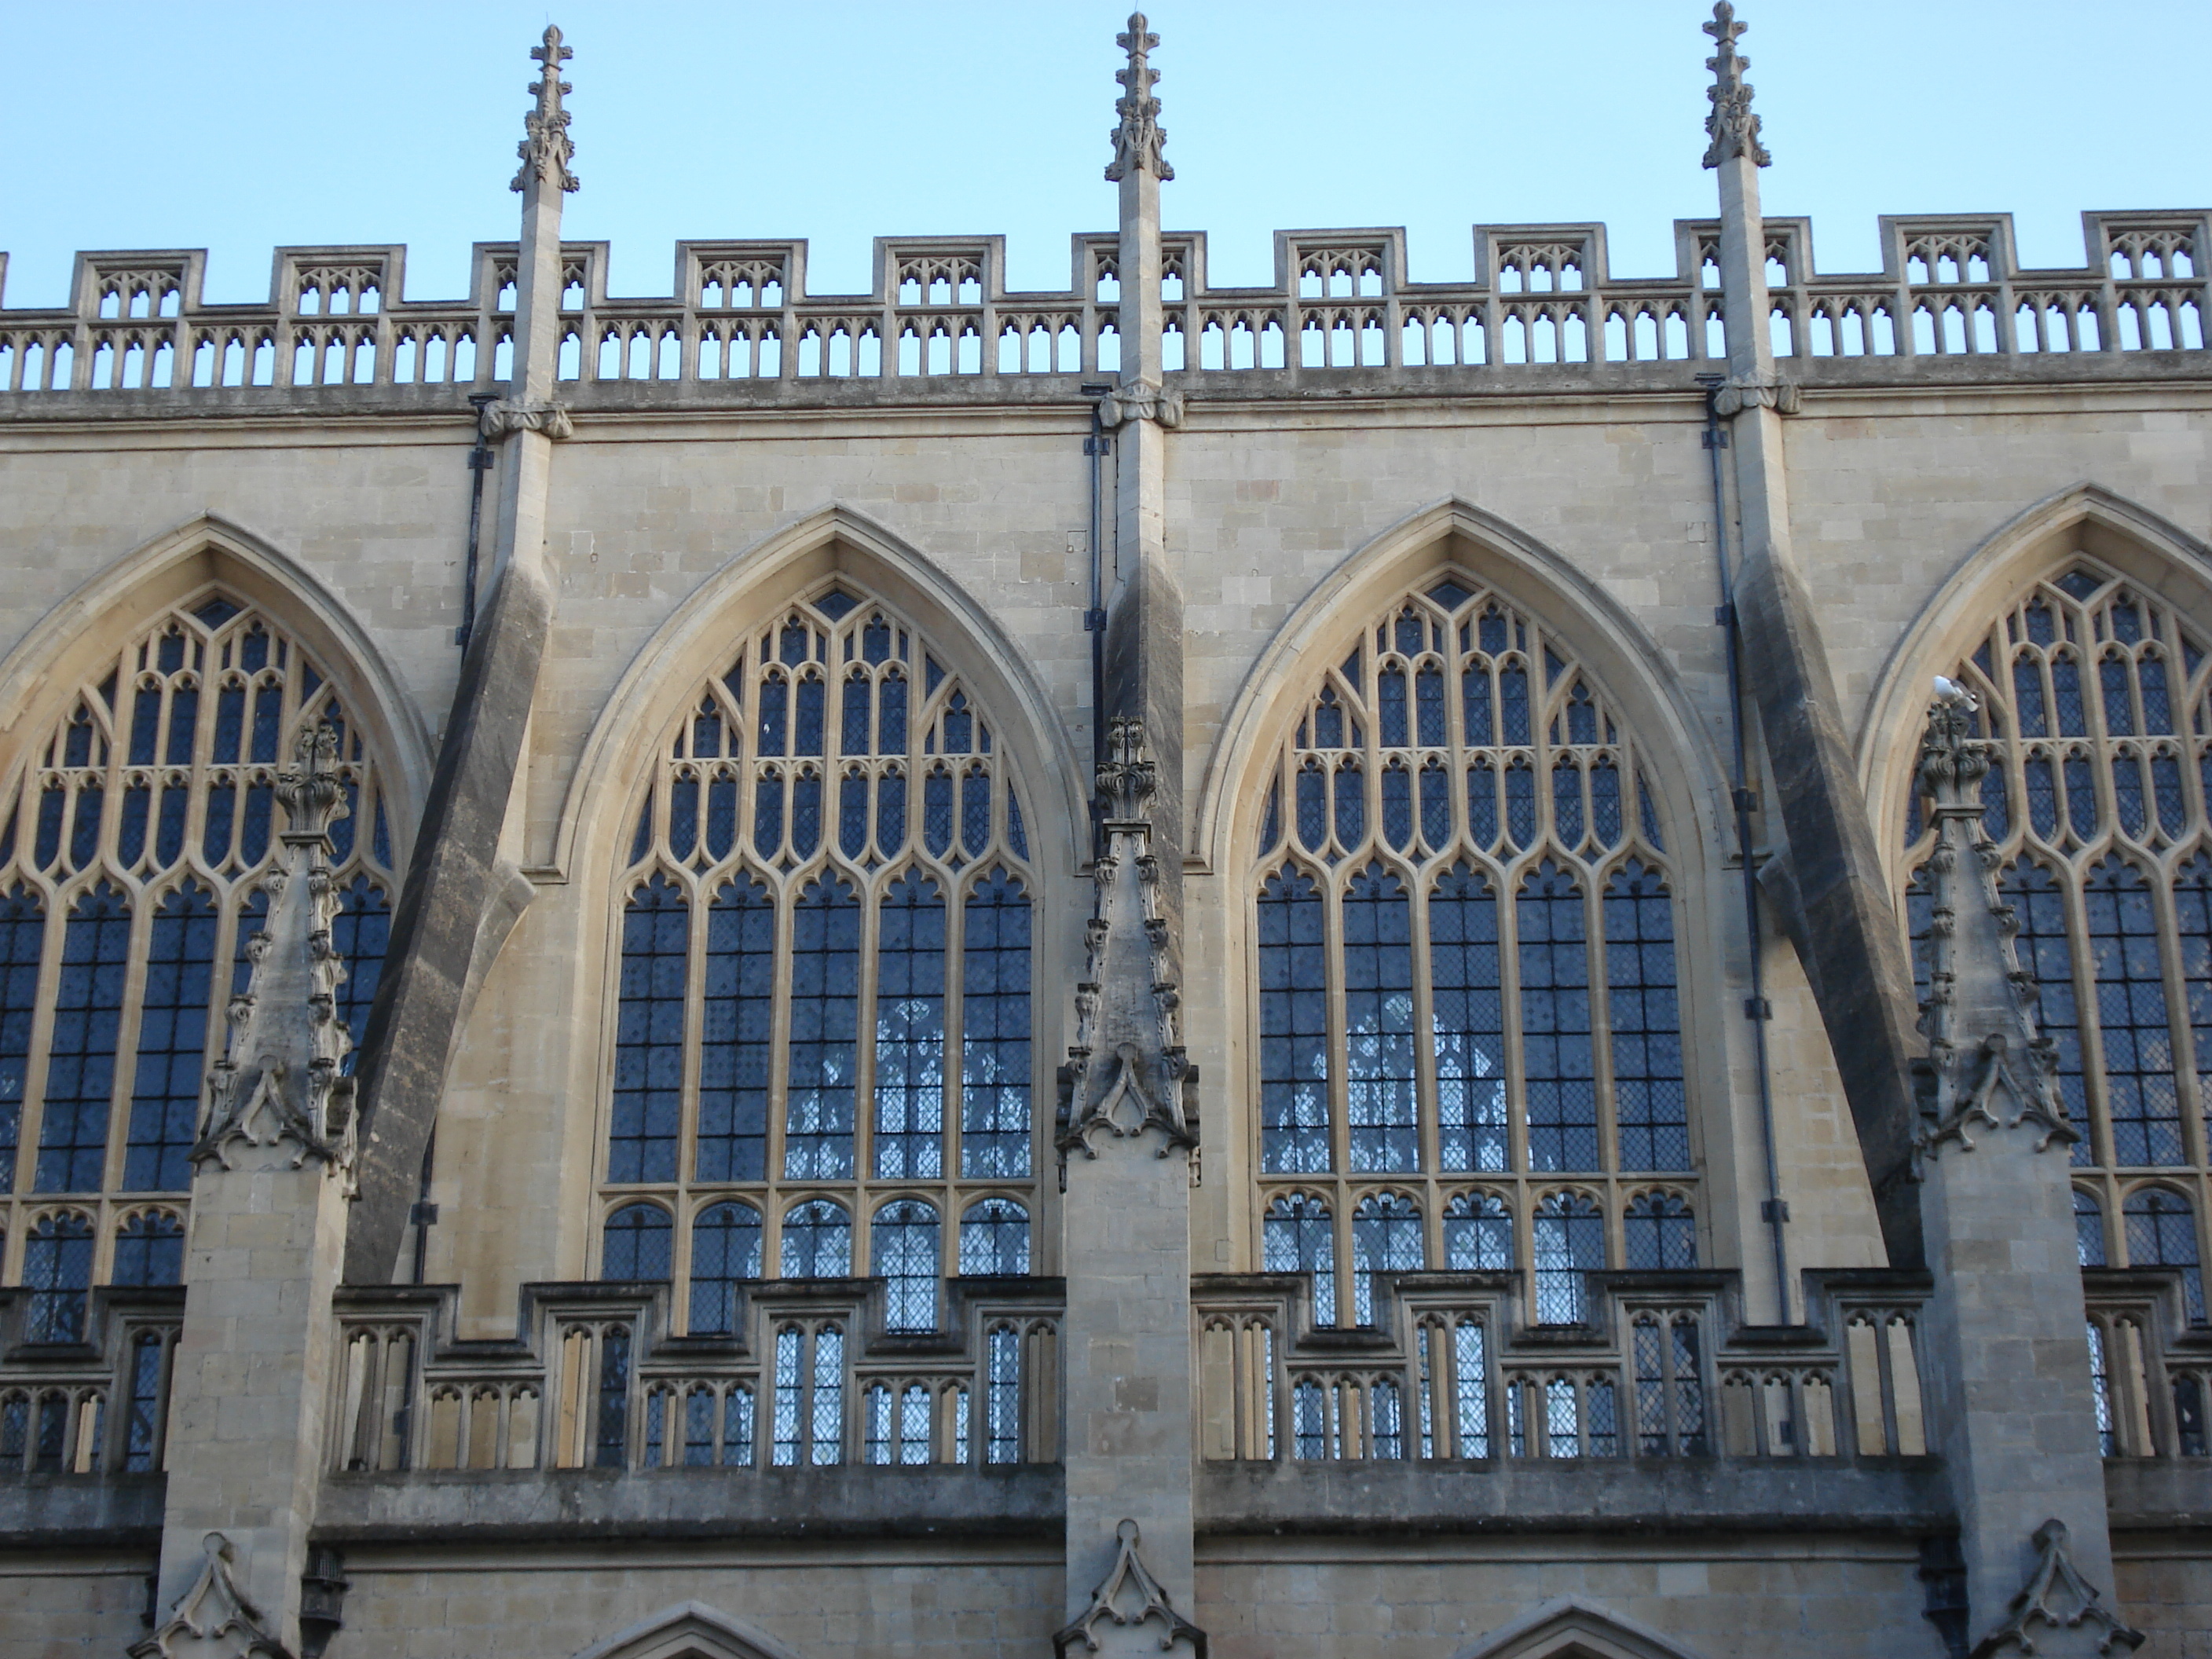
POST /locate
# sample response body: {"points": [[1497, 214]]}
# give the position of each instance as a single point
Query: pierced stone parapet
{"points": [[938, 320]]}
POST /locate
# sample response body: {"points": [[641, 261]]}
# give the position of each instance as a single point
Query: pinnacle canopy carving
{"points": [[2058, 1597], [213, 1617], [276, 1098], [1127, 1071], [1986, 1062], [547, 149], [1732, 126], [1129, 1586], [1139, 138]]}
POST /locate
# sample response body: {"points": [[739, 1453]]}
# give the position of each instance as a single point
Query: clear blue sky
{"points": [[237, 126]]}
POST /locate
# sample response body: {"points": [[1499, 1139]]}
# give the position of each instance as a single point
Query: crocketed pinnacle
{"points": [[1137, 139], [1731, 127], [547, 149]]}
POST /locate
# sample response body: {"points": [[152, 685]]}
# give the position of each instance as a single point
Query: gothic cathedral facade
{"points": [[1519, 968]]}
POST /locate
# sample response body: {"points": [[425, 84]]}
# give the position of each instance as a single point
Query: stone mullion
{"points": [[953, 1092], [131, 1018], [864, 1066], [2090, 1025], [1337, 1052], [698, 890]]}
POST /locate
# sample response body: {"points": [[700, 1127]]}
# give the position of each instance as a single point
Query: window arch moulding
{"points": [[690, 645], [180, 565], [690, 1630], [1572, 1628], [1448, 535], [2164, 562]]}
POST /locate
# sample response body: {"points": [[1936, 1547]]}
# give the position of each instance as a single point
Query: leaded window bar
{"points": [[823, 1062], [2096, 704], [132, 843], [1468, 1025], [939, 309]]}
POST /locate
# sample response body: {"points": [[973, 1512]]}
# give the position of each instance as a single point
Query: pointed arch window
{"points": [[132, 843], [823, 983], [2095, 702], [1464, 936]]}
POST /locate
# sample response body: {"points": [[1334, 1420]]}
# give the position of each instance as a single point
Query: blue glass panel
{"points": [[1558, 1073], [22, 943], [994, 1030], [1651, 1108], [639, 1244], [1296, 1238], [360, 933], [738, 1034], [172, 1033], [1294, 1135], [81, 1067], [1468, 1022], [902, 1240], [825, 1034], [649, 1034], [1378, 1003], [910, 1106]]}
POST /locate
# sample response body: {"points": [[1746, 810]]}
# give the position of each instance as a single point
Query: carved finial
{"points": [[547, 151], [312, 793], [1125, 778], [1732, 126], [1137, 139]]}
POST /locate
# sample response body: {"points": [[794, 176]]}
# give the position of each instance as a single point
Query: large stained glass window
{"points": [[1469, 1032], [821, 1059]]}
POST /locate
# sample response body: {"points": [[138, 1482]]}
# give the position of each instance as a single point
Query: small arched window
{"points": [[2088, 1230], [1465, 945], [824, 968], [150, 1249], [635, 1246], [994, 1238], [725, 1248], [904, 1242], [58, 1269], [2161, 1232]]}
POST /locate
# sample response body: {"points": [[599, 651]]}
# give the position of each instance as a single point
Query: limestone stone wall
{"points": [[1733, 1598], [59, 1605], [978, 1602], [1267, 500]]}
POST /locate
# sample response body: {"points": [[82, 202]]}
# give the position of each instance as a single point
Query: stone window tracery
{"points": [[823, 1056], [131, 847], [1465, 957], [2096, 702]]}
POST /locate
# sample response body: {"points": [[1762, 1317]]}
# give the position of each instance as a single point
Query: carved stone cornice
{"points": [[1986, 1065], [504, 414], [547, 149], [1127, 1071], [213, 1618], [2058, 1597], [1139, 137], [276, 1097], [1731, 127], [1140, 400], [1128, 1595]]}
